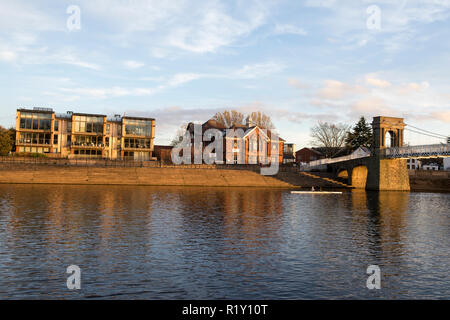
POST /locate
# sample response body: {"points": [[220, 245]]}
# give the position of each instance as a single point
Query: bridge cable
{"points": [[436, 134], [426, 134]]}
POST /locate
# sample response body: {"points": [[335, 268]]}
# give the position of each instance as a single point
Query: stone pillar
{"points": [[387, 174]]}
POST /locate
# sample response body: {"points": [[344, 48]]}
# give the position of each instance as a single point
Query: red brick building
{"points": [[163, 153], [250, 142], [306, 155]]}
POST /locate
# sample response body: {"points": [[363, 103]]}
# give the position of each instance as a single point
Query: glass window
{"points": [[56, 125], [55, 139], [89, 124]]}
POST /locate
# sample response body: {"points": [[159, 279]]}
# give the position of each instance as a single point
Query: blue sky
{"points": [[180, 61]]}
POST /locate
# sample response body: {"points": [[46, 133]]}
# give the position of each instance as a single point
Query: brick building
{"points": [[250, 144], [163, 153], [306, 155]]}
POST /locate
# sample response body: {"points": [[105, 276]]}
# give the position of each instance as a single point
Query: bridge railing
{"points": [[321, 162], [432, 150]]}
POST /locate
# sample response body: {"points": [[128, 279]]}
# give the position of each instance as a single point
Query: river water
{"points": [[218, 243]]}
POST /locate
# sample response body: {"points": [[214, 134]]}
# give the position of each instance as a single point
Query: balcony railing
{"points": [[134, 146], [31, 142], [88, 145]]}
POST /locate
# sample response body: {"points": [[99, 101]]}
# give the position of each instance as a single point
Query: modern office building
{"points": [[80, 135]]}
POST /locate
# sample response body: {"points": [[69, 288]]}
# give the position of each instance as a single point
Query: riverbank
{"points": [[424, 180], [204, 176], [16, 173]]}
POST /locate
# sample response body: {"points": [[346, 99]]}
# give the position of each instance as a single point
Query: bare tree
{"points": [[233, 117], [179, 135], [261, 120], [329, 136], [229, 118]]}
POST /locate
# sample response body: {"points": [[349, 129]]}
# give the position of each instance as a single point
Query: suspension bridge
{"points": [[384, 168]]}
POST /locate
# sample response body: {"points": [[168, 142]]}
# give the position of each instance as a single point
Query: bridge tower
{"points": [[387, 174], [382, 126]]}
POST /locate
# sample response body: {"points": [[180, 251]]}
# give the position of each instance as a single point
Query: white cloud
{"points": [[130, 64], [289, 29], [257, 70], [246, 72], [158, 53], [214, 29], [181, 78], [373, 96], [373, 106], [199, 27], [19, 16], [337, 90], [412, 87], [320, 3], [372, 80], [7, 55], [73, 60], [297, 84], [346, 21], [19, 49]]}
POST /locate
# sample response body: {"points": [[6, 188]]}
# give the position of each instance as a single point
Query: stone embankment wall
{"points": [[199, 175], [205, 176], [424, 180], [135, 176]]}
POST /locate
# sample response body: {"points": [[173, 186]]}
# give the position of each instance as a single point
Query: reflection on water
{"points": [[217, 243]]}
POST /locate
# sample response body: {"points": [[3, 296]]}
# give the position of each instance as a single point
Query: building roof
{"points": [[36, 110], [88, 114], [213, 124], [137, 118], [69, 114], [312, 150]]}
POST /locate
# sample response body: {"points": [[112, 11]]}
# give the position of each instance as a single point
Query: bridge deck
{"points": [[406, 152], [425, 151]]}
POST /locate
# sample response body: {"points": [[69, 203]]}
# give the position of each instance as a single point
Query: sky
{"points": [[182, 61]]}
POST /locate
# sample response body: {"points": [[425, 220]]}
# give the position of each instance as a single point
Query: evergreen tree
{"points": [[360, 136]]}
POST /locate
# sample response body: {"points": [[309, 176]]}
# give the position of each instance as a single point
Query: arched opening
{"points": [[389, 139], [359, 177], [342, 176]]}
